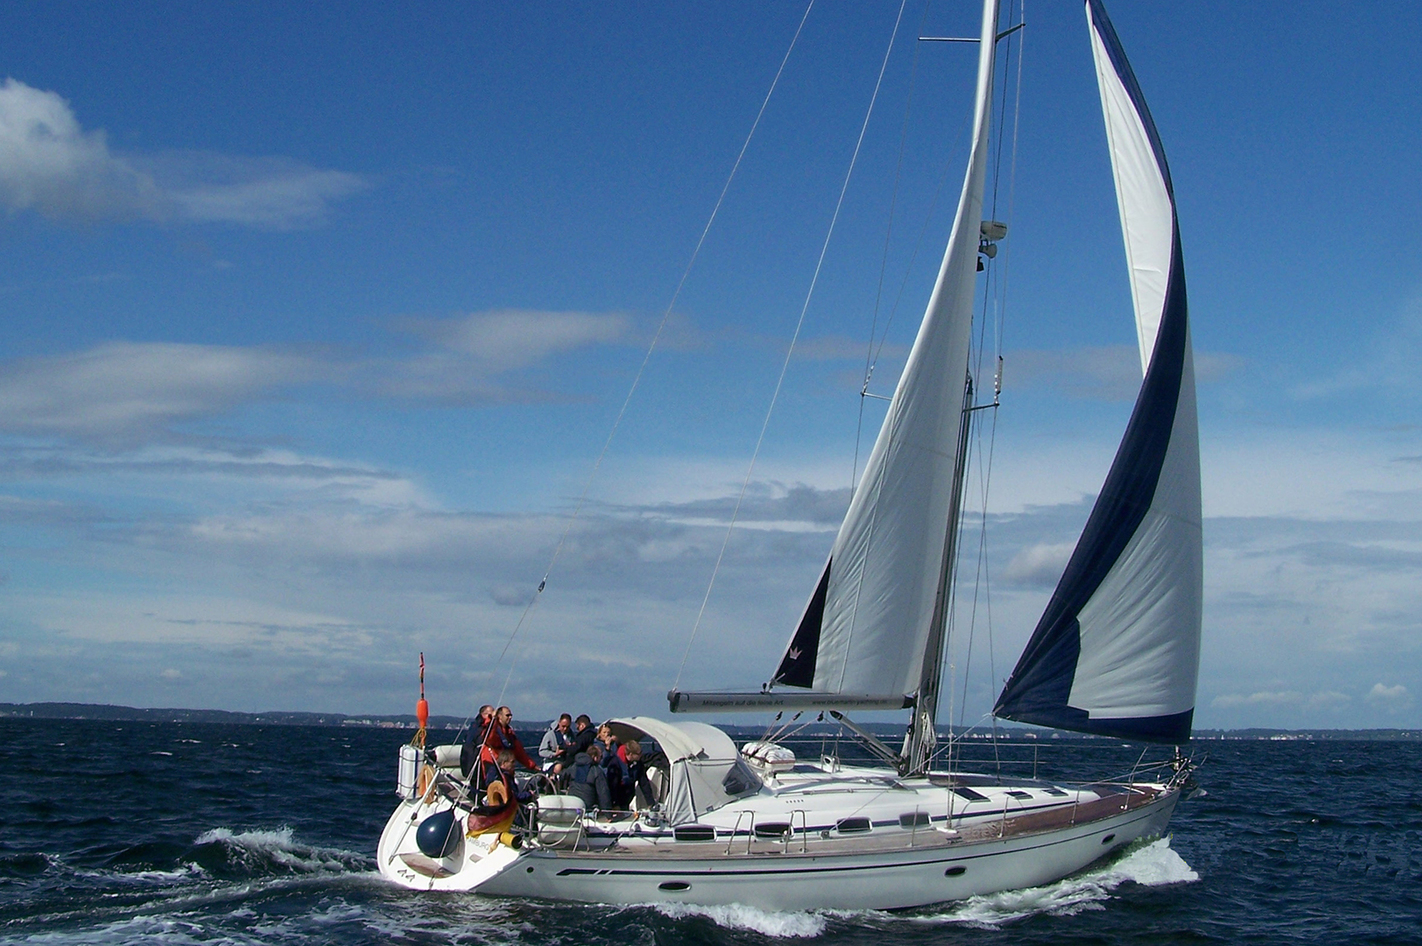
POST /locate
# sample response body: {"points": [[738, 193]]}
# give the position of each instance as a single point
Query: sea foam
{"points": [[1151, 864], [279, 847], [737, 917]]}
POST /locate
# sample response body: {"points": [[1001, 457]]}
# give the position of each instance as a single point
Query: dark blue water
{"points": [[181, 833]]}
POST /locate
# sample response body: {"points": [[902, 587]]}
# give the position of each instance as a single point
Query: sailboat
{"points": [[1115, 654]]}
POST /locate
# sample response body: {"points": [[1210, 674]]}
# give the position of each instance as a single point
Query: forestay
{"points": [[1117, 650]]}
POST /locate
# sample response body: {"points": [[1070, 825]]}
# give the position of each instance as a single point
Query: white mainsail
{"points": [[1117, 650], [867, 627]]}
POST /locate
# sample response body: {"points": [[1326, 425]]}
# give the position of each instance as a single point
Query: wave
{"points": [[219, 854], [26, 865], [737, 917], [225, 851], [1148, 863], [240, 927]]}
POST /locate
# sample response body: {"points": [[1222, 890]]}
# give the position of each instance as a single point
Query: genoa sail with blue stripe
{"points": [[1116, 652]]}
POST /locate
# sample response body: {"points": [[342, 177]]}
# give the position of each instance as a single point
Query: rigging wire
{"points": [[641, 369], [790, 350]]}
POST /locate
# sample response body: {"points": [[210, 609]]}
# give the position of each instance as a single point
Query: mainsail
{"points": [[1117, 650], [870, 621], [872, 629]]}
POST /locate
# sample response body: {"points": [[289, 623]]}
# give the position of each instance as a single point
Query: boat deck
{"points": [[1113, 800]]}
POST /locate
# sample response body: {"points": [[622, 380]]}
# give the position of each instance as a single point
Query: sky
{"points": [[316, 322]]}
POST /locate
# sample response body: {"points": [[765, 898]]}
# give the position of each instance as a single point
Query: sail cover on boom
{"points": [[1117, 650]]}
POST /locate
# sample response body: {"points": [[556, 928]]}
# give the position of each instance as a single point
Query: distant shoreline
{"points": [[109, 713]]}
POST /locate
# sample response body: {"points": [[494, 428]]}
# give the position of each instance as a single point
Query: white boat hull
{"points": [[791, 881], [928, 866]]}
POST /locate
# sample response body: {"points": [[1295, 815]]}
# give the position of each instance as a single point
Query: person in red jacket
{"points": [[501, 736]]}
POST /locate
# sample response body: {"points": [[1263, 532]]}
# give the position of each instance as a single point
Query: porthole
{"points": [[853, 825], [674, 885], [528, 870], [1108, 839], [957, 870]]}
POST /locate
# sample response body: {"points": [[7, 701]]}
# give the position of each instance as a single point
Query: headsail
{"points": [[1117, 650]]}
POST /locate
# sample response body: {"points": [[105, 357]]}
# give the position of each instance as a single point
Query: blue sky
{"points": [[315, 320]]}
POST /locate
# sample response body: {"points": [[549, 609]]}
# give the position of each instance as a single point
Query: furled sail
{"points": [[1117, 650], [867, 626]]}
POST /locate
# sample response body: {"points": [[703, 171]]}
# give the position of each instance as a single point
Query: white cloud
{"points": [[1328, 699], [843, 348], [51, 165], [1106, 372], [514, 338], [1040, 564], [271, 192], [1260, 698], [122, 391], [1314, 474], [475, 354], [1391, 698]]}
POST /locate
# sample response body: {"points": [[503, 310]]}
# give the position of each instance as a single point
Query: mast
{"points": [[922, 738]]}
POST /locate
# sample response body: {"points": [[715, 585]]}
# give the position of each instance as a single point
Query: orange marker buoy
{"points": [[422, 707]]}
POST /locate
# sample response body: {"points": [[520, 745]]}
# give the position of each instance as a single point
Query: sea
{"points": [[187, 833]]}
